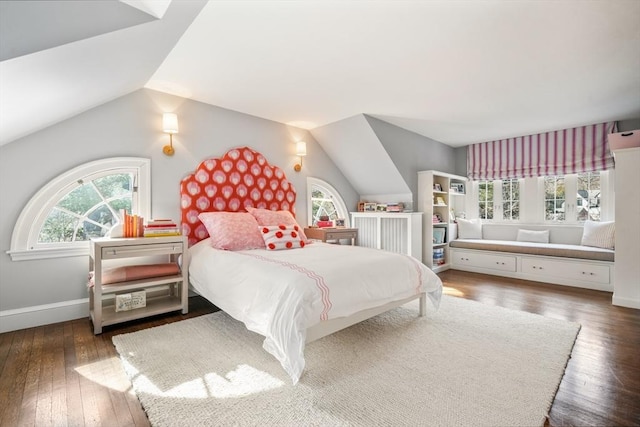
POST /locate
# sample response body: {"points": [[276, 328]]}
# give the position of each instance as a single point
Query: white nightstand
{"points": [[163, 293]]}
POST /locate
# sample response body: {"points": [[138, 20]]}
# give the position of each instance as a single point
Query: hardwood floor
{"points": [[62, 374]]}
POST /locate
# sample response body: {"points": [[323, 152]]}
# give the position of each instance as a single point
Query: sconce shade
{"points": [[301, 148], [170, 123]]}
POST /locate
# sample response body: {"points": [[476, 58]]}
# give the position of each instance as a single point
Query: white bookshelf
{"points": [[441, 195]]}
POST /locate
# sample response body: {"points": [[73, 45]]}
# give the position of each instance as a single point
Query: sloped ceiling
{"points": [[454, 71], [85, 54]]}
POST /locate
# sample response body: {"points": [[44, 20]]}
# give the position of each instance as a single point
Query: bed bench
{"points": [[563, 261]]}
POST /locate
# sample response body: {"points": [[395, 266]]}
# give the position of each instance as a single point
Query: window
{"points": [[81, 204], [325, 201], [511, 200], [554, 198], [485, 199], [499, 200], [576, 197]]}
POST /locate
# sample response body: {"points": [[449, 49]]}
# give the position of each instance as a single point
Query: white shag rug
{"points": [[467, 364]]}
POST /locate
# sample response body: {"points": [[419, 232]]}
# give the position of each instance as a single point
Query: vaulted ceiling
{"points": [[455, 71]]}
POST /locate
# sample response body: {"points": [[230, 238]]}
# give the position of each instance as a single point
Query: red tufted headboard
{"points": [[241, 177]]}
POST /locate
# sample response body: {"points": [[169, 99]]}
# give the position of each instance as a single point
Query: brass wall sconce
{"points": [[301, 151], [170, 126]]}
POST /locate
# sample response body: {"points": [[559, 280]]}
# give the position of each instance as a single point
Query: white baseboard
{"points": [[29, 317], [625, 302]]}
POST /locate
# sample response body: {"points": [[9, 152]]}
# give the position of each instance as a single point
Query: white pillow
{"points": [[533, 236], [469, 228], [600, 234]]}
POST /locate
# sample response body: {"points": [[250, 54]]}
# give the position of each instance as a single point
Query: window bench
{"points": [[564, 261]]}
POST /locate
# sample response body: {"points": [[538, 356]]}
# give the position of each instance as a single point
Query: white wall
{"points": [[131, 126]]}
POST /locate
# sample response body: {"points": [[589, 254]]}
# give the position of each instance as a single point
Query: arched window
{"points": [[324, 200], [82, 203]]}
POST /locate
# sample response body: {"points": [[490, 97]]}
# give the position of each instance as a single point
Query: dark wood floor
{"points": [[62, 374]]}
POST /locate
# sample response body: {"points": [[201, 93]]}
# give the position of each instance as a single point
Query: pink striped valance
{"points": [[582, 149]]}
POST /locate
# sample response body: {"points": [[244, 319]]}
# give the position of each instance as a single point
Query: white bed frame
{"points": [[328, 327]]}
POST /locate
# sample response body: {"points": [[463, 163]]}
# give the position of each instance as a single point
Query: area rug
{"points": [[467, 364]]}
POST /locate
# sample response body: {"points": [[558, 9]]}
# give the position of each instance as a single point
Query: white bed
{"points": [[293, 297], [290, 296]]}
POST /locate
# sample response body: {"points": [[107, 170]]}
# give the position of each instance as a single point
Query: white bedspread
{"points": [[279, 294]]}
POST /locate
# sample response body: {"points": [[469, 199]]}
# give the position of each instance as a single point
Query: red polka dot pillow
{"points": [[278, 237], [268, 217]]}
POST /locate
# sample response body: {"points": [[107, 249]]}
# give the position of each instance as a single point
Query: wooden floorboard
{"points": [[62, 374]]}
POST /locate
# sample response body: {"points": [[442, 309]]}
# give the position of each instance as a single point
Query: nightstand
{"points": [[162, 294], [338, 234]]}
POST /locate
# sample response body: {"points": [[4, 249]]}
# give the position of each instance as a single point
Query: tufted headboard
{"points": [[241, 178]]}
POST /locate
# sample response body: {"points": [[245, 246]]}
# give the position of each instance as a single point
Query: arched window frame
{"points": [[325, 187], [24, 240]]}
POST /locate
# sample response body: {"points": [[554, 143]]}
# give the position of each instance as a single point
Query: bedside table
{"points": [[164, 293], [325, 234]]}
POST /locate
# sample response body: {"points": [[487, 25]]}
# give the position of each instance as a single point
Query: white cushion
{"points": [[533, 236], [469, 228], [600, 234]]}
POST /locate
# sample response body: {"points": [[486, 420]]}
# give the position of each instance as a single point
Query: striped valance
{"points": [[582, 149]]}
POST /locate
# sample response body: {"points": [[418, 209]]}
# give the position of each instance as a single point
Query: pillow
{"points": [[533, 236], [469, 228], [600, 234], [135, 272], [268, 217], [234, 231], [277, 237]]}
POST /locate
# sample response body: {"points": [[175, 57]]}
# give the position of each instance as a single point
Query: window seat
{"points": [[545, 249], [563, 261]]}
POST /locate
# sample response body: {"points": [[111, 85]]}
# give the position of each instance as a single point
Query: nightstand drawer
{"points": [[114, 252], [334, 235]]}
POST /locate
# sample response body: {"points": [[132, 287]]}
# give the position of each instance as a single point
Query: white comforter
{"points": [[279, 294]]}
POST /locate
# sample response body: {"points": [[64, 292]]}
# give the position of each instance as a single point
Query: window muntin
{"points": [[90, 210], [80, 204], [325, 200]]}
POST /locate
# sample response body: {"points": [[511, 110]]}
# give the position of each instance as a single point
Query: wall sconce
{"points": [[301, 151], [170, 126]]}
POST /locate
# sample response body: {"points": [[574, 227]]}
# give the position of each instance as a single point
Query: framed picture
{"points": [[360, 206], [457, 187], [339, 222], [381, 207], [369, 207], [437, 187], [438, 235]]}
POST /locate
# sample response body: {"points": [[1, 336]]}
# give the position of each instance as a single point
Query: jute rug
{"points": [[468, 364]]}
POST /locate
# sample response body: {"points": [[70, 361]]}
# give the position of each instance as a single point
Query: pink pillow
{"points": [[234, 231], [277, 237], [268, 217]]}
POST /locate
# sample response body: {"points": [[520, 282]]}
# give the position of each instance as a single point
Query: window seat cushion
{"points": [[530, 248]]}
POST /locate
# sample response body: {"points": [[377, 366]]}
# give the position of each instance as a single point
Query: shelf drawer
{"points": [[114, 252], [489, 261], [585, 272]]}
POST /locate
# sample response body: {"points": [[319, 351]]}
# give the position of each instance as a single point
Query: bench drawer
{"points": [[578, 271], [479, 260]]}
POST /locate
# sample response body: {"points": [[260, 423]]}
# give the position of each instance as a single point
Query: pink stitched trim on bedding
{"points": [[320, 283]]}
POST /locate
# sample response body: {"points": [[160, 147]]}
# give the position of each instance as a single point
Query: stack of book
{"points": [[131, 224], [160, 228], [438, 256], [395, 207]]}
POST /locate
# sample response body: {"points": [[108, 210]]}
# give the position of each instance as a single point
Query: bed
{"points": [[250, 257]]}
